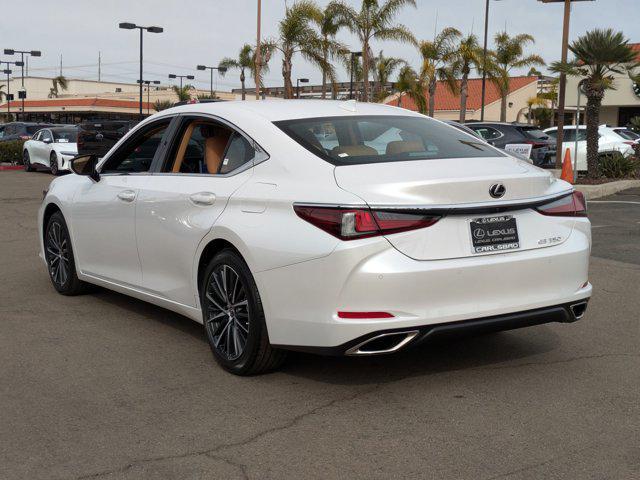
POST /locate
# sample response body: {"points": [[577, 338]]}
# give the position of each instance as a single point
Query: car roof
{"points": [[505, 124], [276, 110]]}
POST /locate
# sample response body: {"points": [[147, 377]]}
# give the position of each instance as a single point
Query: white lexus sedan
{"points": [[51, 149], [331, 227]]}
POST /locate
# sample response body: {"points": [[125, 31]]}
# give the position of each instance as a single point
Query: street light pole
{"points": [[298, 82], [258, 59], [148, 84], [153, 29], [33, 53], [219, 69]]}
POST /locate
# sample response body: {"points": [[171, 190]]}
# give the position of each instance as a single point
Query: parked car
{"points": [[51, 149], [21, 130], [97, 137], [627, 134], [543, 151], [307, 226], [608, 141]]}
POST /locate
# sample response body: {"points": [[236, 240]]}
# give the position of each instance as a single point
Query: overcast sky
{"points": [[204, 31]]}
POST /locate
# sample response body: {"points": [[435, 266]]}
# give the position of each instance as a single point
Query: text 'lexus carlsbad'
{"points": [[331, 227]]}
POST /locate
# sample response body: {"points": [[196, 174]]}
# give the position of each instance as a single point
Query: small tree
{"points": [[408, 84], [373, 22], [58, 83], [436, 56], [599, 56], [509, 54], [244, 61], [162, 105], [329, 23], [184, 93], [466, 56], [383, 69]]}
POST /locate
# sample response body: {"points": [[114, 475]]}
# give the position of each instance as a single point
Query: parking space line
{"points": [[612, 201]]}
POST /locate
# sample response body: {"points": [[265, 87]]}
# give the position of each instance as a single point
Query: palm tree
{"points": [[408, 84], [509, 54], [2, 94], [599, 56], [184, 93], [436, 56], [329, 24], [162, 105], [58, 82], [244, 61], [373, 22], [384, 68], [467, 55], [298, 36]]}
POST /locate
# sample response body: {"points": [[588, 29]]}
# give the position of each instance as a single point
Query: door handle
{"points": [[203, 198], [127, 195]]}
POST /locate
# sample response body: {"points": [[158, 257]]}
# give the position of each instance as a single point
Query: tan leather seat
{"points": [[401, 146], [353, 150], [214, 148]]}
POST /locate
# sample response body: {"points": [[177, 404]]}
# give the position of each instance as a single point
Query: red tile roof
{"points": [[636, 48], [445, 100], [80, 102]]}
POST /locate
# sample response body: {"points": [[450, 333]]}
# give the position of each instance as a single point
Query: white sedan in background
{"points": [[331, 227], [610, 140], [51, 149]]}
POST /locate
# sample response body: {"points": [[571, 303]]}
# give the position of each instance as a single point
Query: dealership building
{"points": [[618, 106]]}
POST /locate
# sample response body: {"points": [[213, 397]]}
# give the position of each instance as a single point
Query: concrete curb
{"points": [[596, 191], [11, 167]]}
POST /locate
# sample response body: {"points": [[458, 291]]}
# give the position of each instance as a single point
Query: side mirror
{"points": [[86, 165], [47, 140]]}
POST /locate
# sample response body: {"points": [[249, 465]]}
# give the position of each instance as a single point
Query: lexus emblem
{"points": [[497, 190]]}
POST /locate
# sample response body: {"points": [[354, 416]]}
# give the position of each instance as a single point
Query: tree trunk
{"points": [[433, 84], [242, 78], [286, 75], [594, 99], [324, 77], [464, 94], [400, 99], [503, 108], [365, 71]]}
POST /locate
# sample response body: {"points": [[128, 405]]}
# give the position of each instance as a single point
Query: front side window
{"points": [[136, 155], [45, 135], [207, 147], [65, 135], [373, 139]]}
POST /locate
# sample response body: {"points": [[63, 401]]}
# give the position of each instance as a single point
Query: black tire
{"points": [[53, 164], [59, 256], [26, 161], [234, 319]]}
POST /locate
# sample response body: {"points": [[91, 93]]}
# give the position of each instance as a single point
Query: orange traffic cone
{"points": [[567, 168]]}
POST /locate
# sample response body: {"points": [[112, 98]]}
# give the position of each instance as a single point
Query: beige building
{"points": [[618, 106], [86, 99]]}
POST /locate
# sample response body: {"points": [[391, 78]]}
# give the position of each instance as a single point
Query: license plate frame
{"points": [[494, 234]]}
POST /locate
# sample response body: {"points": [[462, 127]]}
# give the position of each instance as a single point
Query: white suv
{"points": [[609, 141]]}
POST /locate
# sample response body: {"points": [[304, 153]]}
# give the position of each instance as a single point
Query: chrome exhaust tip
{"points": [[578, 309], [383, 343]]}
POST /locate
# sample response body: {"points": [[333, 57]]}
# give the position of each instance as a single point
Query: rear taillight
{"points": [[536, 144], [573, 205], [353, 223], [630, 143], [24, 137]]}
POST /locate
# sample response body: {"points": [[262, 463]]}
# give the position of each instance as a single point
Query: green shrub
{"points": [[11, 151], [617, 165]]}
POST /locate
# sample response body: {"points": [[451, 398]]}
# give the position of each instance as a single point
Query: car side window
{"points": [[37, 136], [207, 147], [238, 153], [136, 155], [488, 133], [45, 135]]}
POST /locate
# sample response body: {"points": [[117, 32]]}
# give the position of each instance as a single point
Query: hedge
{"points": [[11, 151]]}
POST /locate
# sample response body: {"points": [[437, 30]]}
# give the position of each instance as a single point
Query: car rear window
{"points": [[374, 139], [627, 134], [534, 133]]}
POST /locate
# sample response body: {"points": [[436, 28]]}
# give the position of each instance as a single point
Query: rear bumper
{"points": [[393, 340], [301, 301]]}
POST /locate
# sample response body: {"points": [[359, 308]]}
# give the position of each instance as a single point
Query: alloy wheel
{"points": [[57, 248], [227, 312], [53, 163], [26, 161]]}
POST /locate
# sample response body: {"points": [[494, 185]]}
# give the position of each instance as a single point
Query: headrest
{"points": [[401, 146], [354, 150]]}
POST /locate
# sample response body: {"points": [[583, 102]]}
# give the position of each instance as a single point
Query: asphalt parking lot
{"points": [[103, 386]]}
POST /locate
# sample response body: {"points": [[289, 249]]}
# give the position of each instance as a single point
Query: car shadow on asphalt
{"points": [[446, 355]]}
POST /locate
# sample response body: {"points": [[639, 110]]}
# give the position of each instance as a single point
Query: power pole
{"points": [[60, 64], [258, 55], [562, 90], [99, 64]]}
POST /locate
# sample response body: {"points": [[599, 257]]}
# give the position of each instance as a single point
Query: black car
{"points": [[543, 152], [98, 136], [21, 130]]}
